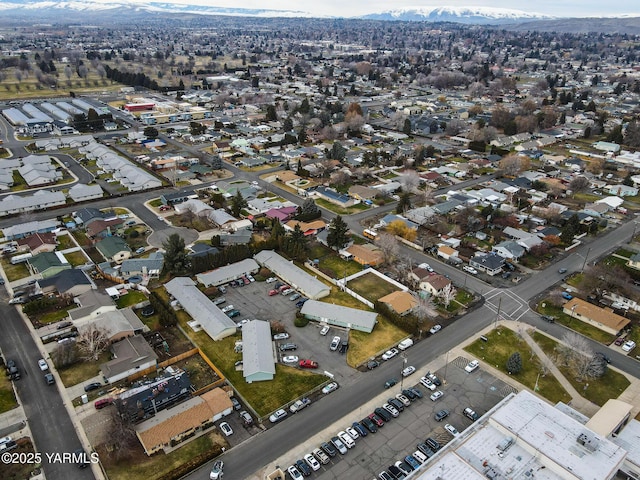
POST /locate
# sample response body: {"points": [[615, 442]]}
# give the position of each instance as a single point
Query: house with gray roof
{"points": [[205, 314], [340, 316], [40, 200], [490, 263], [131, 355], [258, 362], [117, 324], [73, 281], [151, 266], [90, 304], [293, 275], [24, 229], [509, 250], [81, 192], [48, 264], [227, 273]]}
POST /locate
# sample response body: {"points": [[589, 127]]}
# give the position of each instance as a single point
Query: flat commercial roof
{"points": [[357, 319]]}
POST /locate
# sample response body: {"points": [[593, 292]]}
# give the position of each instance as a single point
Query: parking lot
{"points": [[479, 390], [253, 301]]}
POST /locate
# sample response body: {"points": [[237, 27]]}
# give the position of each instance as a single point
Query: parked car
{"points": [[286, 347], [434, 379], [321, 455], [435, 329], [299, 405], [226, 429], [283, 288], [308, 364], [369, 424], [562, 271], [300, 303], [371, 364], [290, 359], [470, 414], [312, 462], [294, 297], [389, 354], [358, 427], [49, 378], [335, 343], [288, 291], [383, 414], [304, 468], [63, 325], [346, 439], [246, 418], [42, 363], [294, 473], [384, 475], [567, 295], [396, 403], [103, 402], [277, 415], [619, 341], [401, 397], [233, 313], [470, 270], [408, 371], [425, 449], [329, 449], [235, 403], [272, 279], [628, 345], [412, 462], [433, 444], [379, 422], [451, 429], [273, 292], [92, 386], [436, 395], [415, 391], [441, 415], [427, 383], [393, 411], [471, 366], [549, 318], [324, 330], [281, 336], [226, 309], [329, 387], [341, 447], [390, 383], [403, 467]]}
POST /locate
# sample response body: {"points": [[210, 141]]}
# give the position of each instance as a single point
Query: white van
{"points": [[404, 344]]}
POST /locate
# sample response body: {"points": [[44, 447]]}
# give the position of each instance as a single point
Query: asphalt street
{"points": [[50, 424]]}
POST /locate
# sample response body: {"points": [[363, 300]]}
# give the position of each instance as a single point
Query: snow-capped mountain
{"points": [[469, 15]]}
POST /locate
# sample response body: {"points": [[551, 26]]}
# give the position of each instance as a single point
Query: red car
{"points": [[376, 419], [284, 287], [103, 402], [273, 292], [308, 364], [619, 341]]}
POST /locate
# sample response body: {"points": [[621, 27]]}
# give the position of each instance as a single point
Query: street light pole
{"points": [[584, 264], [404, 365], [498, 313]]}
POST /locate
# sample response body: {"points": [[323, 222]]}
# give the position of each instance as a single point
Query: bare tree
{"points": [[447, 294], [410, 181], [513, 164], [121, 435], [425, 308], [92, 342], [389, 246], [578, 354], [64, 354]]}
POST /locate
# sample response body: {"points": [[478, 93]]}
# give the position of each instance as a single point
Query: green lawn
{"points": [[7, 398], [336, 267], [339, 297], [14, 272], [82, 370], [597, 390], [371, 287], [131, 298], [81, 238], [501, 344], [155, 203], [546, 308], [363, 346], [55, 316], [76, 258], [64, 242]]}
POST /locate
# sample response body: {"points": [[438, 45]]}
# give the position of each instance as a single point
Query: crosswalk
{"points": [[505, 304]]}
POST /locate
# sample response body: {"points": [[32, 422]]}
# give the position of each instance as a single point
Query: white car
{"points": [[346, 439], [216, 470], [628, 345], [427, 383], [436, 395], [471, 366], [391, 409], [288, 291], [435, 329], [335, 343], [272, 279], [226, 429], [312, 462], [277, 415], [281, 336], [324, 330], [226, 309], [451, 429], [470, 270], [42, 363], [295, 473], [404, 399], [323, 457], [330, 387], [408, 371], [389, 354], [290, 359], [352, 432]]}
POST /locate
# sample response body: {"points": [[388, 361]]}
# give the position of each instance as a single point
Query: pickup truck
{"points": [[299, 405]]}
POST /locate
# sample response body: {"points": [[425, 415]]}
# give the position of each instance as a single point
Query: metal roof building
{"points": [[293, 275], [15, 116], [67, 107], [200, 308], [56, 112], [340, 316], [257, 352], [36, 114], [230, 272], [40, 200]]}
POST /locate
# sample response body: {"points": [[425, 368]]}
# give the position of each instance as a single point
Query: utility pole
{"points": [[584, 264], [498, 314]]}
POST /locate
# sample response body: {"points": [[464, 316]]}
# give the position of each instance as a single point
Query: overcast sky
{"points": [[561, 8]]}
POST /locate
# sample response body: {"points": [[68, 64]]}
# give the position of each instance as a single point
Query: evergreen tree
{"points": [[338, 235], [571, 229], [514, 363], [308, 211], [237, 204], [287, 125], [175, 257], [271, 113], [406, 128], [150, 132], [405, 203]]}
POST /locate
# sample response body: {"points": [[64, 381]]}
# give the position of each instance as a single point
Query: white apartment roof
{"points": [[347, 315], [227, 273], [40, 199], [202, 310], [257, 348]]}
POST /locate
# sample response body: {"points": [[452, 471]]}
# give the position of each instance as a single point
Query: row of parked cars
{"points": [[345, 440], [283, 289]]}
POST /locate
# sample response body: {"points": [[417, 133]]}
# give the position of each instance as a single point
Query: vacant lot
{"points": [[597, 390], [198, 370], [371, 287], [502, 343], [363, 346]]}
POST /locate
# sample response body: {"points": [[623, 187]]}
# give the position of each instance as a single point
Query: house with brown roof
{"points": [[447, 252], [366, 254], [186, 420], [308, 228], [400, 302], [362, 192], [38, 242], [104, 228], [602, 318], [430, 282]]}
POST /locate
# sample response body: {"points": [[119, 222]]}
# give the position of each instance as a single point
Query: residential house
{"points": [[421, 215], [447, 252], [225, 274], [38, 242], [114, 249], [175, 198], [284, 214], [622, 190], [235, 238], [430, 282], [596, 209], [81, 192], [39, 200], [150, 266], [366, 254], [90, 304], [308, 228], [400, 302], [509, 250], [176, 425], [490, 263], [130, 355], [526, 240], [117, 324], [361, 192], [390, 218], [47, 264], [73, 281], [258, 363], [337, 198], [634, 261], [601, 318]]}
